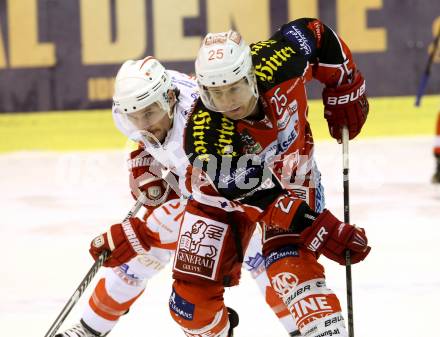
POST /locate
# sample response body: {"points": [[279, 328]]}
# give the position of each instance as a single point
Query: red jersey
{"points": [[248, 162]]}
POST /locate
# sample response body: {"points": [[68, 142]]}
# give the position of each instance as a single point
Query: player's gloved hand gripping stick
{"points": [[102, 256], [89, 276]]}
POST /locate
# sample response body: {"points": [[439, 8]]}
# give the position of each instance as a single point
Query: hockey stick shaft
{"points": [[424, 81], [345, 173], [87, 279]]}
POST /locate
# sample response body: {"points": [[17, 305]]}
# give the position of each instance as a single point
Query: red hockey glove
{"points": [[346, 105], [331, 237], [124, 241], [145, 178], [283, 221]]}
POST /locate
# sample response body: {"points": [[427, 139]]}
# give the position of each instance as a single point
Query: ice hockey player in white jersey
{"points": [[151, 105]]}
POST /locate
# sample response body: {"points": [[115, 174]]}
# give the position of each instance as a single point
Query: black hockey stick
{"points": [[345, 166], [424, 81], [88, 278]]}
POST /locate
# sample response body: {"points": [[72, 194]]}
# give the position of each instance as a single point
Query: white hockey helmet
{"points": [[223, 60], [140, 85]]}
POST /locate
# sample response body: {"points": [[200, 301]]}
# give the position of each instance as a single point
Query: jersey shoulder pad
{"points": [[300, 34], [275, 61], [187, 92]]}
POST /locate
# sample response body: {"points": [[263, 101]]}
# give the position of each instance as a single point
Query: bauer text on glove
{"points": [[331, 237], [346, 105]]}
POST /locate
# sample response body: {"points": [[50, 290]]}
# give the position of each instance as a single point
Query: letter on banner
{"points": [[131, 31], [302, 9], [24, 48], [170, 44], [249, 17], [351, 16]]}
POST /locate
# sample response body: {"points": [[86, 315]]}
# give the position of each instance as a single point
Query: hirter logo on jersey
{"points": [[270, 58], [199, 248]]}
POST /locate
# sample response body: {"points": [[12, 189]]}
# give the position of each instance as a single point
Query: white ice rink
{"points": [[53, 204]]}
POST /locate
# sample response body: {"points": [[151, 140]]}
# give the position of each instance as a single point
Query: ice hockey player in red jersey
{"points": [[150, 98], [249, 143]]}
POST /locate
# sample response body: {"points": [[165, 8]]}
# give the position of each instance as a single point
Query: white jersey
{"points": [[171, 153]]}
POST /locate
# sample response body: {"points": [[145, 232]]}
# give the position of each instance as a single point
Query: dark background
{"points": [[395, 72]]}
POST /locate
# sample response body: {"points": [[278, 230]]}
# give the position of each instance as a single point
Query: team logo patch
{"points": [[199, 247], [181, 307], [98, 241], [250, 145], [284, 283], [154, 192]]}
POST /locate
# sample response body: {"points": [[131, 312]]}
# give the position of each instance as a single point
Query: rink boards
{"points": [[94, 129]]}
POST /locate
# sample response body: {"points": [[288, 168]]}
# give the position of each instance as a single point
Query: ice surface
{"points": [[52, 204]]}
